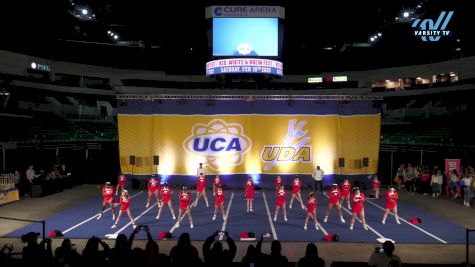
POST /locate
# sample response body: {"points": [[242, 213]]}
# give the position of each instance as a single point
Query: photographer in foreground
{"points": [[217, 254], [384, 256]]}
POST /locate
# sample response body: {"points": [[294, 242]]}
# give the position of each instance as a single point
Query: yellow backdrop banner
{"points": [[247, 144]]}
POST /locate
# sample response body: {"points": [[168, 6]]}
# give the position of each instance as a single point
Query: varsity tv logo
{"points": [[428, 31], [219, 144]]}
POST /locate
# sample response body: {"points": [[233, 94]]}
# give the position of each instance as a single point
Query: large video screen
{"points": [[246, 37]]}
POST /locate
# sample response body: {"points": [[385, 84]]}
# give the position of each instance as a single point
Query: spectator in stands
{"points": [[16, 178], [467, 188], [251, 255], [409, 176], [217, 255], [120, 252], [6, 252], [153, 255], [453, 183], [275, 258], [92, 256], [436, 183], [35, 254], [30, 177], [66, 254], [311, 258], [385, 257], [424, 181], [184, 253]]}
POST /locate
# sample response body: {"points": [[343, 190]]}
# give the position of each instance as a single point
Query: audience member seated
{"points": [[92, 256], [217, 255], [35, 254], [120, 253], [251, 255], [384, 257], [184, 253], [311, 257], [66, 255], [275, 257]]}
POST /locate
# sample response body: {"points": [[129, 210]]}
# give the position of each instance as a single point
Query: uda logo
{"points": [[218, 144], [293, 149]]}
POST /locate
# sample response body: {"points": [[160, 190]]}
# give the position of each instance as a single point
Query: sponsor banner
{"points": [[7, 196], [450, 165], [248, 143], [244, 65], [245, 12]]}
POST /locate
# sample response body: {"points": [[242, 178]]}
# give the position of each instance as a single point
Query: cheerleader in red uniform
{"points": [[249, 193], [281, 196], [219, 202], [217, 182], [166, 192], [121, 182], [391, 204], [334, 193], [153, 188], [107, 193], [296, 185], [311, 210], [184, 207], [345, 192], [278, 182], [201, 189], [124, 207], [376, 185], [357, 208]]}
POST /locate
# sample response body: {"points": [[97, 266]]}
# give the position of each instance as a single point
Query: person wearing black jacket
{"points": [[216, 254]]}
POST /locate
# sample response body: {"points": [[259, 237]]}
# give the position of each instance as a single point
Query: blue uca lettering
{"points": [[202, 144]]}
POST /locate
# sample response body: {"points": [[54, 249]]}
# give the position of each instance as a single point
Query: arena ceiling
{"points": [[320, 36]]}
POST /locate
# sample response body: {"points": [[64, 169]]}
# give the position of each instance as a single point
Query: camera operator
{"points": [[383, 257], [217, 254]]}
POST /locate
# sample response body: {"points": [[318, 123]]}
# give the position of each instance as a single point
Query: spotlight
{"points": [[379, 34], [405, 14], [84, 11], [116, 37], [372, 39]]}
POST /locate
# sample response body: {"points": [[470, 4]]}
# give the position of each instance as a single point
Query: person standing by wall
{"points": [[317, 176]]}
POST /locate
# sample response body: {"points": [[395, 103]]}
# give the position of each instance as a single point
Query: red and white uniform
{"points": [[278, 182], [376, 184], [201, 183], [391, 199], [281, 196], [153, 184], [107, 193], [357, 202], [122, 180], [311, 204], [345, 188], [165, 193], [217, 182], [184, 200], [219, 195], [249, 190], [334, 195], [296, 185], [124, 203]]}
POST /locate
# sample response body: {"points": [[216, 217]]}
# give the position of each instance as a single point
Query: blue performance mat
{"points": [[81, 221]]}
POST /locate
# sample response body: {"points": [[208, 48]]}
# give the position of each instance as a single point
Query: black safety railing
{"points": [[24, 220], [467, 244]]}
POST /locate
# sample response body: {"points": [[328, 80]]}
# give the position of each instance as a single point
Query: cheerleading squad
{"points": [[337, 196]]}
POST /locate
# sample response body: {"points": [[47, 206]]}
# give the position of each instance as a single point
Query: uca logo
{"points": [[219, 144]]}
